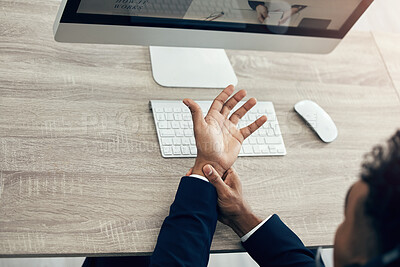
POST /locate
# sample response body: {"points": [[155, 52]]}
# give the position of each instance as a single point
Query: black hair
{"points": [[381, 172]]}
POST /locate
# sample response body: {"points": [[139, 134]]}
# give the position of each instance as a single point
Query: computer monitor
{"points": [[187, 37]]}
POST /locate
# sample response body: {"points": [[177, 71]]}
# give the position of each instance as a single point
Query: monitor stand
{"points": [[191, 67]]}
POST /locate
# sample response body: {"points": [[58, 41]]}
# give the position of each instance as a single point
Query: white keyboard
{"points": [[174, 126]]}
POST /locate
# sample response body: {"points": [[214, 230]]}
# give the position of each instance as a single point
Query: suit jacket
{"points": [[274, 244], [186, 234]]}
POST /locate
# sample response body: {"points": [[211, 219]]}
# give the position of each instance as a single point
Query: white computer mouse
{"points": [[318, 119]]}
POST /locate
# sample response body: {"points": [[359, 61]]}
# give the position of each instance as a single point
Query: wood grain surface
{"points": [[389, 46], [80, 168]]}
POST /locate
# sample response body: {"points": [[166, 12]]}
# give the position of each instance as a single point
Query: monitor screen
{"points": [[322, 18]]}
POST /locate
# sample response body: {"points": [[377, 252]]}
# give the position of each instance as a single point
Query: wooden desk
{"points": [[80, 167]]}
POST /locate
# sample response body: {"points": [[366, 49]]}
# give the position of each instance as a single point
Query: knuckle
{"points": [[213, 179]]}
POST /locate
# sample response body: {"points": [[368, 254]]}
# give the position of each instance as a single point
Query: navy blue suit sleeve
{"points": [[274, 244], [186, 234]]}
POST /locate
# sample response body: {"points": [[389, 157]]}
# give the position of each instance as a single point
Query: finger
{"points": [[214, 178], [228, 106], [265, 17], [197, 114], [189, 172], [260, 18], [248, 130], [240, 112], [219, 101], [265, 13]]}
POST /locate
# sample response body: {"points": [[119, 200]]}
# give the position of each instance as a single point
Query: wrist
{"points": [[200, 163], [243, 223]]}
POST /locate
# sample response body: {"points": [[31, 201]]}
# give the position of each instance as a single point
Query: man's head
{"points": [[372, 209]]}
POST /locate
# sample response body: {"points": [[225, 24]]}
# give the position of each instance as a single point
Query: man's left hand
{"points": [[218, 139]]}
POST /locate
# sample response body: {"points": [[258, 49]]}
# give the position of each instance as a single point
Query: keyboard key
{"points": [[272, 124], [179, 132], [247, 149], [163, 125], [175, 125], [188, 132], [272, 149], [185, 150], [166, 141], [168, 110], [158, 110], [167, 132], [177, 150], [160, 116], [193, 150], [252, 140], [260, 140], [256, 149], [185, 141], [272, 140], [264, 149], [177, 141], [167, 150], [177, 109], [178, 117], [265, 125], [187, 117], [184, 125], [270, 132], [170, 117]]}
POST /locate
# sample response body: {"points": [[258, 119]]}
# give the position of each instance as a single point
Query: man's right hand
{"points": [[262, 13], [234, 210]]}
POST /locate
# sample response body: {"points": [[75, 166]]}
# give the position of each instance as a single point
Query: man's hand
{"points": [[218, 139], [262, 13], [234, 210]]}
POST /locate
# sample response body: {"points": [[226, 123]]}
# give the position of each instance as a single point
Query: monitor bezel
{"points": [[70, 15]]}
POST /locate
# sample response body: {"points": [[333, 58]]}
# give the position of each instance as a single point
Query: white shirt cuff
{"points": [[246, 236], [199, 177]]}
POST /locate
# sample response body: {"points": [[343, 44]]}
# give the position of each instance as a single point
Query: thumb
{"points": [[265, 13], [214, 178], [197, 114]]}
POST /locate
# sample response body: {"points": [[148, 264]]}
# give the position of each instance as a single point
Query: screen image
{"points": [[313, 14]]}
